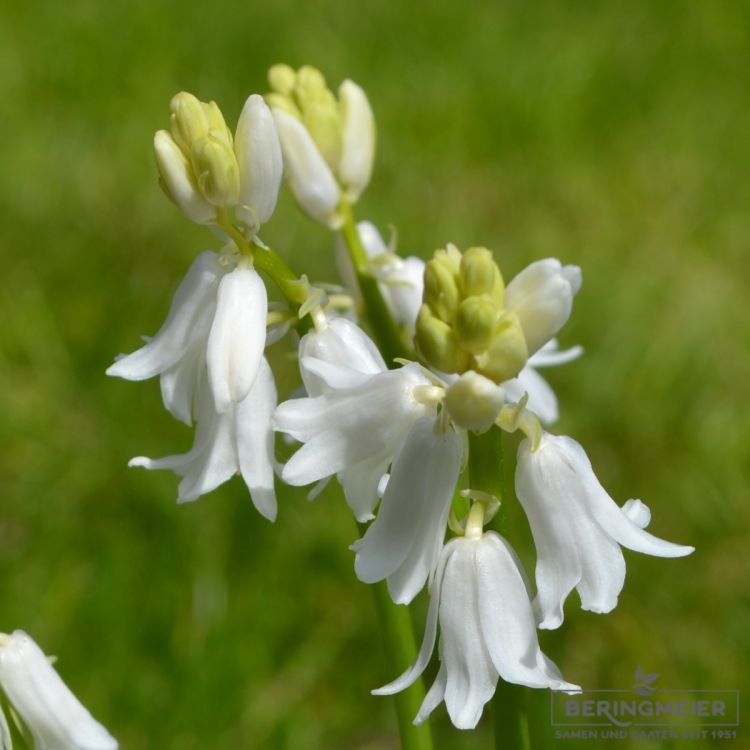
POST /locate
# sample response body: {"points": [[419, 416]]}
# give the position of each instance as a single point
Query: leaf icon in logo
{"points": [[643, 682]]}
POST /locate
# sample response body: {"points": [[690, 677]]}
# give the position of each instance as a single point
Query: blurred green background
{"points": [[611, 135]]}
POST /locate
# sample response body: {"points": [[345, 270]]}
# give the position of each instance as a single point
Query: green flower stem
{"points": [[386, 331], [400, 651], [486, 471]]}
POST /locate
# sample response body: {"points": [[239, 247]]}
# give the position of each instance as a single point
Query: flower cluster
{"points": [[453, 360]]}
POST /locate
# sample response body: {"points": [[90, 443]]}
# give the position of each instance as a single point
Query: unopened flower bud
{"points": [[189, 120], [441, 285], [216, 171], [217, 126], [284, 103], [437, 343], [480, 275], [507, 353], [475, 323], [358, 135], [282, 78], [473, 401], [310, 86], [322, 122], [178, 181]]}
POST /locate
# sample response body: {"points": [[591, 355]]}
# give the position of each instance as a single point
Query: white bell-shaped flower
{"points": [[258, 152], [542, 297], [353, 428], [238, 440], [55, 718], [578, 529], [487, 630], [403, 544], [358, 139]]}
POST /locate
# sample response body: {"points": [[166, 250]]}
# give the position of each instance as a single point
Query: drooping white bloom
{"points": [[218, 318], [578, 529], [542, 297], [238, 440], [258, 152], [403, 544], [542, 399], [487, 630], [354, 427], [55, 718], [401, 280]]}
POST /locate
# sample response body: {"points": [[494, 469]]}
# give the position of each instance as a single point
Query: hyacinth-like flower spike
{"points": [[328, 143], [55, 718], [578, 529], [479, 599]]}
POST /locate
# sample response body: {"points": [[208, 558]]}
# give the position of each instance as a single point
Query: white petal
{"points": [[405, 286], [194, 299], [254, 435], [414, 509], [180, 382], [210, 462], [471, 675], [371, 239], [358, 136], [258, 152], [638, 512], [542, 297], [430, 632], [507, 619], [341, 344], [55, 717], [435, 695], [238, 335], [550, 355], [609, 516], [312, 182], [542, 400], [342, 428], [545, 500], [361, 483]]}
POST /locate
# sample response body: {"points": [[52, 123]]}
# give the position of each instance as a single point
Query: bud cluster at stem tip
{"points": [[462, 324]]}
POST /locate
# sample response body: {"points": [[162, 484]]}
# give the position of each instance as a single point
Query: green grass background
{"points": [[611, 135]]}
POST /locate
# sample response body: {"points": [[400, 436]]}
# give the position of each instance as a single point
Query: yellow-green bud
{"points": [[480, 275], [279, 101], [475, 323], [189, 120], [437, 343], [324, 125], [507, 352], [441, 280], [216, 170], [310, 86], [217, 126], [473, 401], [282, 78]]}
